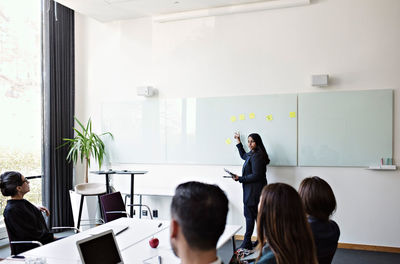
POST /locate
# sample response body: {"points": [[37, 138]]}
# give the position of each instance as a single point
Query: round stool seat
{"points": [[90, 188]]}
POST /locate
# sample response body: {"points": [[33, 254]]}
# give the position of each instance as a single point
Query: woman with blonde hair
{"points": [[284, 236]]}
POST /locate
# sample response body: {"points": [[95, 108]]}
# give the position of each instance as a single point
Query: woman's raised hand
{"points": [[237, 137]]}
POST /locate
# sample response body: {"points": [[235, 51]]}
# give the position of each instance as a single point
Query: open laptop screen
{"points": [[99, 249]]}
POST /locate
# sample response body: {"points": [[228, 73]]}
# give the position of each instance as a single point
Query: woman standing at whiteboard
{"points": [[253, 179]]}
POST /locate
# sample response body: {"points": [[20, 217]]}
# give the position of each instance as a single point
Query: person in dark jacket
{"points": [[319, 204], [253, 179], [24, 221]]}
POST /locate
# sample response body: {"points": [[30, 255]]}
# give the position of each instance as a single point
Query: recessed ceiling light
{"points": [[176, 2]]}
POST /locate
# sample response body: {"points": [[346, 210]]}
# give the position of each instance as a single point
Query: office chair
{"points": [[113, 206], [31, 244], [140, 204]]}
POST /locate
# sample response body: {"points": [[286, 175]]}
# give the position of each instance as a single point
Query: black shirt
{"points": [[326, 237], [25, 222]]}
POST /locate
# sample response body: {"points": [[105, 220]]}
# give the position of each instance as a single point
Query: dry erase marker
{"points": [[159, 259]]}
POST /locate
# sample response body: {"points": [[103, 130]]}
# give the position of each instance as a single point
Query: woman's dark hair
{"points": [[259, 145], [318, 198], [9, 181], [282, 223]]}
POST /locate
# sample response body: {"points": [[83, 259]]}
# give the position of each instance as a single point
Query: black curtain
{"points": [[58, 109]]}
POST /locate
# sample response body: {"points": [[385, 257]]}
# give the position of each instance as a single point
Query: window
{"points": [[21, 92]]}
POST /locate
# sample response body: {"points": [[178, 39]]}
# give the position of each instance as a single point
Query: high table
{"points": [[133, 243], [121, 172], [106, 173]]}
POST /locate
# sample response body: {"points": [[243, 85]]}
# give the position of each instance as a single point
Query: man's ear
{"points": [[174, 227]]}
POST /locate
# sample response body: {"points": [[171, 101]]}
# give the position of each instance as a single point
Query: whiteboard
{"points": [[138, 130], [351, 128], [200, 130]]}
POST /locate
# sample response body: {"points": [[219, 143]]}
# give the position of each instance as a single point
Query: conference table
{"points": [[133, 242]]}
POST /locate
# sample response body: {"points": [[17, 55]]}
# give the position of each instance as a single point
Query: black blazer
{"points": [[25, 222], [326, 237], [254, 175]]}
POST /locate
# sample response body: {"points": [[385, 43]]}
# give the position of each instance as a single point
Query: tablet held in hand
{"points": [[230, 173]]}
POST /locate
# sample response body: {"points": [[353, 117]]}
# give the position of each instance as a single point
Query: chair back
{"points": [[18, 248], [12, 248], [113, 206]]}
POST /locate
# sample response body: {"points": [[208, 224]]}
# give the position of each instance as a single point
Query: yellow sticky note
{"points": [[233, 118], [228, 141], [241, 117], [269, 117], [252, 115], [292, 114]]}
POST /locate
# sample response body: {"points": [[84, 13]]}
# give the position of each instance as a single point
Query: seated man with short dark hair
{"points": [[198, 213]]}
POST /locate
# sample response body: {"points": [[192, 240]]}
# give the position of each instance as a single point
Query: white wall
{"points": [[355, 42]]}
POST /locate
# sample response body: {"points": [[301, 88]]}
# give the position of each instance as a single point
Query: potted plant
{"points": [[86, 144]]}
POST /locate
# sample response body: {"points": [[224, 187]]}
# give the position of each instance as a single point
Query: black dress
{"points": [[25, 222], [254, 178]]}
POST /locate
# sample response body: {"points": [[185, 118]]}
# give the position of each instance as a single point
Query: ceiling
{"points": [[111, 10]]}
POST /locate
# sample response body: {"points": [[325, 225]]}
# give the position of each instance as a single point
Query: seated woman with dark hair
{"points": [[284, 235], [319, 203], [23, 220]]}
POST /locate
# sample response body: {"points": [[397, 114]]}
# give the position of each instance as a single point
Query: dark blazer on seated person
{"points": [[326, 237], [25, 222]]}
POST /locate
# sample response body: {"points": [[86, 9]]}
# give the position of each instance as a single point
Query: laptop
{"points": [[100, 248]]}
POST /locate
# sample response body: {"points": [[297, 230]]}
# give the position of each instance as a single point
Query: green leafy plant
{"points": [[86, 144]]}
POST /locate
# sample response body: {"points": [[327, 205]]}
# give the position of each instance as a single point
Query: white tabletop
{"points": [[133, 242], [65, 249], [230, 231], [143, 253]]}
